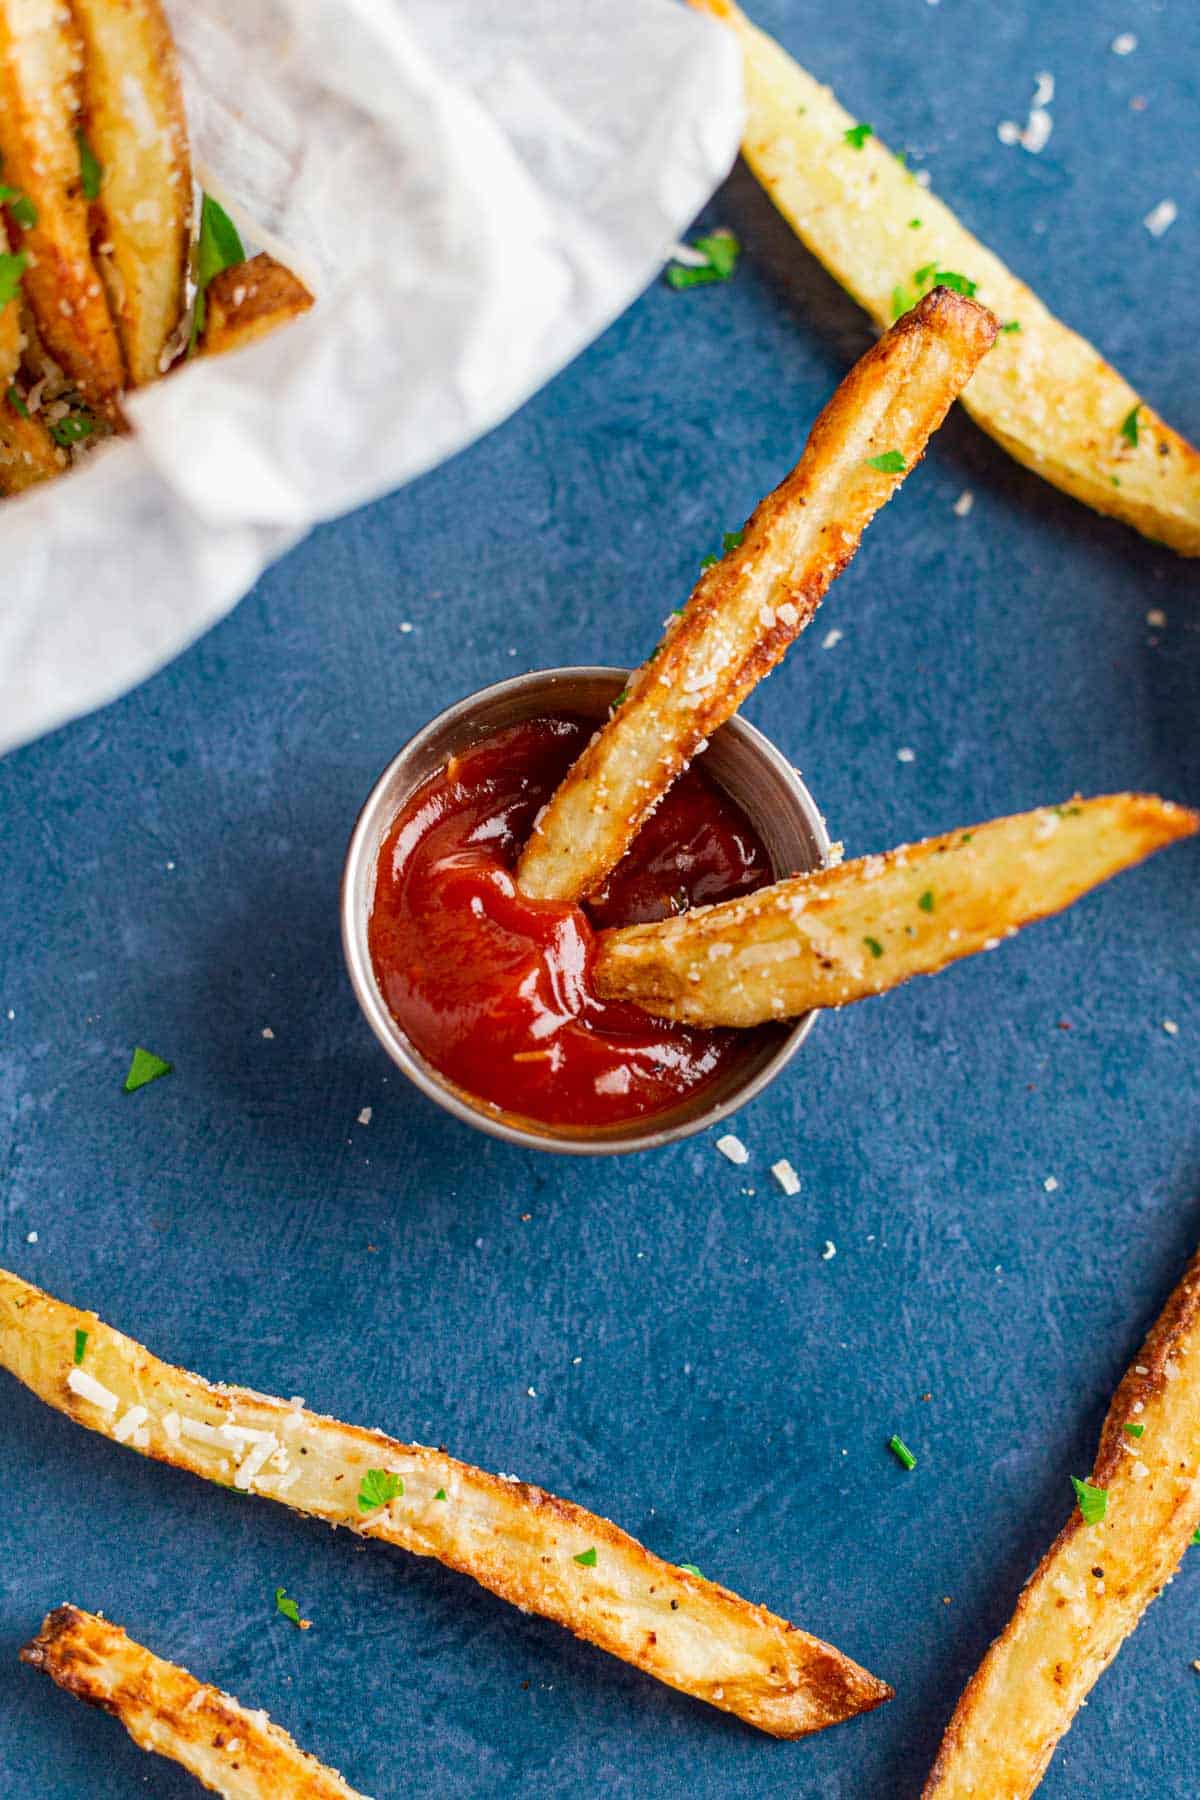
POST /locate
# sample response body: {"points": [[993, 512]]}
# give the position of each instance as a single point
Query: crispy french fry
{"points": [[229, 1749], [134, 121], [863, 927], [28, 454], [746, 609], [543, 1554], [40, 63], [248, 301], [1096, 1581], [1046, 394]]}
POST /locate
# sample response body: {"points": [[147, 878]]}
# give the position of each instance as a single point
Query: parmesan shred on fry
{"points": [[1046, 394], [863, 927], [747, 608], [228, 1748], [543, 1554], [1095, 1582]]}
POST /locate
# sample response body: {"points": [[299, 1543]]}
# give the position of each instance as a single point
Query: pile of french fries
{"points": [[110, 274], [104, 286]]}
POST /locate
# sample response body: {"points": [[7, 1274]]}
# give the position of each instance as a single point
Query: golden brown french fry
{"points": [[543, 1554], [40, 62], [229, 1749], [746, 609], [134, 121], [865, 926], [1095, 1582], [1046, 394], [28, 454], [248, 301]]}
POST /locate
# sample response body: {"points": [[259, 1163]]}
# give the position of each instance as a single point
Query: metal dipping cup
{"points": [[739, 759]]}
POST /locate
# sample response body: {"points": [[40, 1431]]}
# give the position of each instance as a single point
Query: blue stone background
{"points": [[170, 872]]}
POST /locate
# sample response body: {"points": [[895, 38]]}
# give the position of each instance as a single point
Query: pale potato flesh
{"points": [[231, 1750], [845, 933], [513, 1538], [1095, 1582], [747, 608], [1045, 394], [41, 87], [134, 120]]}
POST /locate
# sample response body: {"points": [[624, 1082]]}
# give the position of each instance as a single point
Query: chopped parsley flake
{"points": [[1129, 425], [12, 267], [1068, 812], [20, 206], [1134, 1430], [901, 1452], [732, 540], [720, 249], [951, 279], [888, 462], [857, 135], [1093, 1501], [926, 901], [289, 1609], [914, 224], [924, 274], [377, 1488], [441, 1494], [15, 401], [902, 302], [81, 1340], [691, 1569], [144, 1068], [966, 837], [1011, 325], [1196, 1536], [874, 946], [72, 429], [621, 698], [586, 1558], [91, 172]]}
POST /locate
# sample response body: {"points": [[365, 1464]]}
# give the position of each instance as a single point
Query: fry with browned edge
{"points": [[543, 1554], [229, 1749], [248, 301], [844, 933], [1047, 395], [1096, 1580], [747, 608], [41, 67]]}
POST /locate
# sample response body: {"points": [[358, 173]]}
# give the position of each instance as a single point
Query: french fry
{"points": [[41, 61], [844, 933], [1046, 394], [248, 301], [134, 121], [28, 454], [543, 1554], [1093, 1585], [230, 1750], [746, 609]]}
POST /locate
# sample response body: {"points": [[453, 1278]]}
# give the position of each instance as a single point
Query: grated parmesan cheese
{"points": [[126, 1426], [88, 1388], [1160, 218], [733, 1148], [786, 1176]]}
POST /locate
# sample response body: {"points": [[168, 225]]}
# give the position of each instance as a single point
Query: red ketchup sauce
{"points": [[495, 989]]}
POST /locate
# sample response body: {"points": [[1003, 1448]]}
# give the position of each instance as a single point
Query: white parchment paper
{"points": [[473, 188]]}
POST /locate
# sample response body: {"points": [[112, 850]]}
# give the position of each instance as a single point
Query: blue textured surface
{"points": [[170, 875]]}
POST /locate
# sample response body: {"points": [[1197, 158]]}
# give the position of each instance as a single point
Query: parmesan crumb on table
{"points": [[786, 1176], [1170, 1027], [1124, 44], [830, 1250], [31, 1237], [267, 1032], [733, 1148], [1156, 618], [1160, 218], [364, 1117], [831, 638], [406, 625], [964, 503], [905, 755], [1051, 1184]]}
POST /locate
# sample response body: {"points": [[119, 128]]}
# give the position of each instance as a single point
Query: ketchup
{"points": [[495, 989]]}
